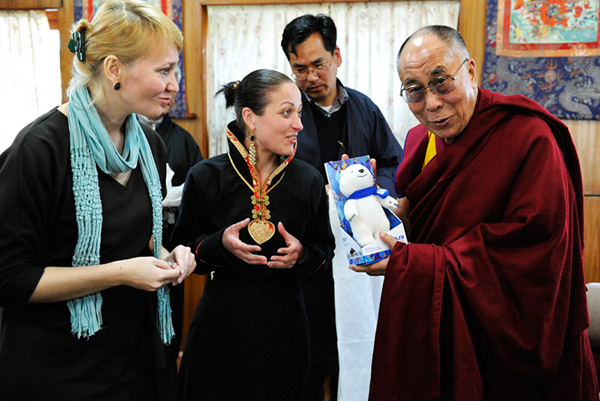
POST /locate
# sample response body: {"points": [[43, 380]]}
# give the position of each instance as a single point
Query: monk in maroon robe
{"points": [[487, 301]]}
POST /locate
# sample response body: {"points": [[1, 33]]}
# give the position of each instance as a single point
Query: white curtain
{"points": [[244, 38], [31, 70]]}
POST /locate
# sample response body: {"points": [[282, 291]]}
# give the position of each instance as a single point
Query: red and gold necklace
{"points": [[260, 228]]}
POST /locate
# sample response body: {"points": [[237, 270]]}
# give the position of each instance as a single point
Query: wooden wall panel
{"points": [[471, 25], [592, 238], [195, 27], [65, 22], [29, 4], [193, 290], [586, 135]]}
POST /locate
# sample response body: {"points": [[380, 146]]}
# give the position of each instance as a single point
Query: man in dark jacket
{"points": [[337, 120]]}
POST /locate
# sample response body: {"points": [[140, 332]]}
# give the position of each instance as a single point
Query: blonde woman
{"points": [[83, 276]]}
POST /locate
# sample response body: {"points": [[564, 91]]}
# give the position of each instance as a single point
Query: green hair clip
{"points": [[77, 44]]}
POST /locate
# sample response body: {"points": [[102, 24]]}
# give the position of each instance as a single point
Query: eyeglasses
{"points": [[441, 85], [319, 70]]}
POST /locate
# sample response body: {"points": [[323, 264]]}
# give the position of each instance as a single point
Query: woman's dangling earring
{"points": [[252, 151]]}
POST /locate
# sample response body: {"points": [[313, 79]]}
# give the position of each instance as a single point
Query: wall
{"points": [[586, 137]]}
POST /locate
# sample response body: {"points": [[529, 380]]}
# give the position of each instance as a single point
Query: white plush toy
{"points": [[364, 207]]}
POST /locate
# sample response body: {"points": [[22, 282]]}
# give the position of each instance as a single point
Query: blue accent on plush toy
{"points": [[363, 193]]}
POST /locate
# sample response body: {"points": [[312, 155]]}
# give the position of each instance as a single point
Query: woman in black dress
{"points": [[81, 224], [257, 220]]}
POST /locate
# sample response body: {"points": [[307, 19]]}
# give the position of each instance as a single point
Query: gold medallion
{"points": [[261, 230]]}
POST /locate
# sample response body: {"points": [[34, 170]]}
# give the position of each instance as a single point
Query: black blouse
{"points": [[215, 197]]}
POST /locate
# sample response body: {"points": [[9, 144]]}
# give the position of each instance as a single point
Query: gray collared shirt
{"points": [[337, 104]]}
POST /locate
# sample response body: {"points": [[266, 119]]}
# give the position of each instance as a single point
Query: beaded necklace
{"points": [[260, 228]]}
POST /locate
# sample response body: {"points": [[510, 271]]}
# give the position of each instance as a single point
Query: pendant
{"points": [[261, 231]]}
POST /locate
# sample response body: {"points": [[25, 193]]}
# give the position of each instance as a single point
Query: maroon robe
{"points": [[488, 300]]}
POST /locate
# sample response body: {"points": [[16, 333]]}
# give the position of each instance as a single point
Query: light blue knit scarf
{"points": [[92, 147]]}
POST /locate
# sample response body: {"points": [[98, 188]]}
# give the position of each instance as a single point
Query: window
{"points": [[31, 69], [243, 38]]}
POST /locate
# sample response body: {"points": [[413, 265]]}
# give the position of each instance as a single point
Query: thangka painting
{"points": [[172, 9], [546, 50]]}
